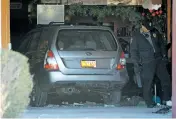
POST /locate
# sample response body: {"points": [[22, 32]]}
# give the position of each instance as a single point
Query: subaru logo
{"points": [[88, 53]]}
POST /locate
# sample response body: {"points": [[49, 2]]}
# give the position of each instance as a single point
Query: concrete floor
{"points": [[92, 112]]}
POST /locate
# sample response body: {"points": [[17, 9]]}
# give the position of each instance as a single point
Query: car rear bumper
{"points": [[56, 79]]}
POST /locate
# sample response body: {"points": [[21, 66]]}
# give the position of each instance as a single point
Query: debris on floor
{"points": [[109, 105], [78, 104], [133, 101], [163, 110]]}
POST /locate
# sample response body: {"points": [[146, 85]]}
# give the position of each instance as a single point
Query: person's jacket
{"points": [[141, 50]]}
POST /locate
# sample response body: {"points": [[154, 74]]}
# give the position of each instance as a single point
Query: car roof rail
{"points": [[56, 23], [63, 24], [72, 24]]}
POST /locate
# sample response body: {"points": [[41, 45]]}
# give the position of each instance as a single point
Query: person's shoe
{"points": [[167, 103]]}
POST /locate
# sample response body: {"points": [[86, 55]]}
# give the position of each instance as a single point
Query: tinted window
{"points": [[25, 43], [75, 40], [44, 39], [35, 41]]}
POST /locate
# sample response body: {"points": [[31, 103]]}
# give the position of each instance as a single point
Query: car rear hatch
{"points": [[86, 51]]}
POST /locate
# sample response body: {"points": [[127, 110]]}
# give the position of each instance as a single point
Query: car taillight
{"points": [[50, 61], [122, 62]]}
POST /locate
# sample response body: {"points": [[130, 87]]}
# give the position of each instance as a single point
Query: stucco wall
{"points": [[0, 28]]}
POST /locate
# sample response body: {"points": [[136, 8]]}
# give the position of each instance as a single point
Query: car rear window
{"points": [[80, 40]]}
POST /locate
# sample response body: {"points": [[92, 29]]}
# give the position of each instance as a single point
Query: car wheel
{"points": [[113, 98], [38, 98]]}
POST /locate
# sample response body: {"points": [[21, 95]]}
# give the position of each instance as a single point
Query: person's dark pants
{"points": [[149, 70]]}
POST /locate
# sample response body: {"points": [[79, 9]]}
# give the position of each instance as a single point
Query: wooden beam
{"points": [[5, 23], [174, 58]]}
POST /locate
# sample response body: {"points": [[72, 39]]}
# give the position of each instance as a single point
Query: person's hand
{"points": [[137, 67]]}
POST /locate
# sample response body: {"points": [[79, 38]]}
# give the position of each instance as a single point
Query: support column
{"points": [[169, 20], [5, 24], [174, 58]]}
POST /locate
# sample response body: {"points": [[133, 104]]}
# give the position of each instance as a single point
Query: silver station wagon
{"points": [[66, 59]]}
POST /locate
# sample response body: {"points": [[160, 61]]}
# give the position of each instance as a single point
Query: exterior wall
{"points": [[174, 58], [0, 28]]}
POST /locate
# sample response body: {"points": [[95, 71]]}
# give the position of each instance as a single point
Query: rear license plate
{"points": [[88, 64]]}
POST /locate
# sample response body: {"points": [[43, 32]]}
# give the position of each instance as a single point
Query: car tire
{"points": [[113, 98], [38, 97]]}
